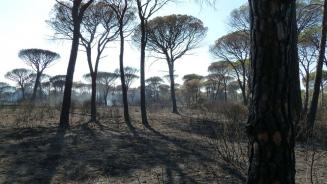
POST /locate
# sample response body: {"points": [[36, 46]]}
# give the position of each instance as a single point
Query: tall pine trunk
{"points": [[105, 98], [93, 97], [23, 92], [270, 125], [64, 116], [36, 85], [244, 88], [306, 95], [172, 88], [245, 97], [315, 97], [322, 95], [225, 90], [77, 15], [93, 75], [122, 78], [142, 73]]}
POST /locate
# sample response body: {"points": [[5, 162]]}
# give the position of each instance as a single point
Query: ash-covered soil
{"points": [[178, 149]]}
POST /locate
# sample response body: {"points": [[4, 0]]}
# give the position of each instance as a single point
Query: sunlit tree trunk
{"points": [[271, 122]]}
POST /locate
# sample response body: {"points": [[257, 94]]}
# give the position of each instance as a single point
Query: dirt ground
{"points": [[177, 150]]}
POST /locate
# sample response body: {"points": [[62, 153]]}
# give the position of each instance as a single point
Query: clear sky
{"points": [[23, 26]]}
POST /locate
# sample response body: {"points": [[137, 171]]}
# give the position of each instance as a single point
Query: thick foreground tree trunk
{"points": [[172, 88], [271, 122], [315, 97]]}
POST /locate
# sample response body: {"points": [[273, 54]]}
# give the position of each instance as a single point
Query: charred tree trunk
{"points": [[172, 88], [36, 85], [225, 90], [93, 97], [142, 78], [245, 97], [306, 95], [322, 95], [270, 125], [244, 88], [64, 116], [295, 84], [93, 75], [106, 97], [77, 15], [315, 97], [23, 92], [242, 84], [122, 77]]}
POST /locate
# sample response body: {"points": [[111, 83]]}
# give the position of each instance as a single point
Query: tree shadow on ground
{"points": [[201, 152], [34, 159], [86, 153], [200, 127]]}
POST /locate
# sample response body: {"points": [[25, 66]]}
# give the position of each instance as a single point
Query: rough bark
{"points": [[315, 97], [270, 125]]}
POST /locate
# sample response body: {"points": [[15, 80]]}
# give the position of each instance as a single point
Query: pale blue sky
{"points": [[23, 26]]}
